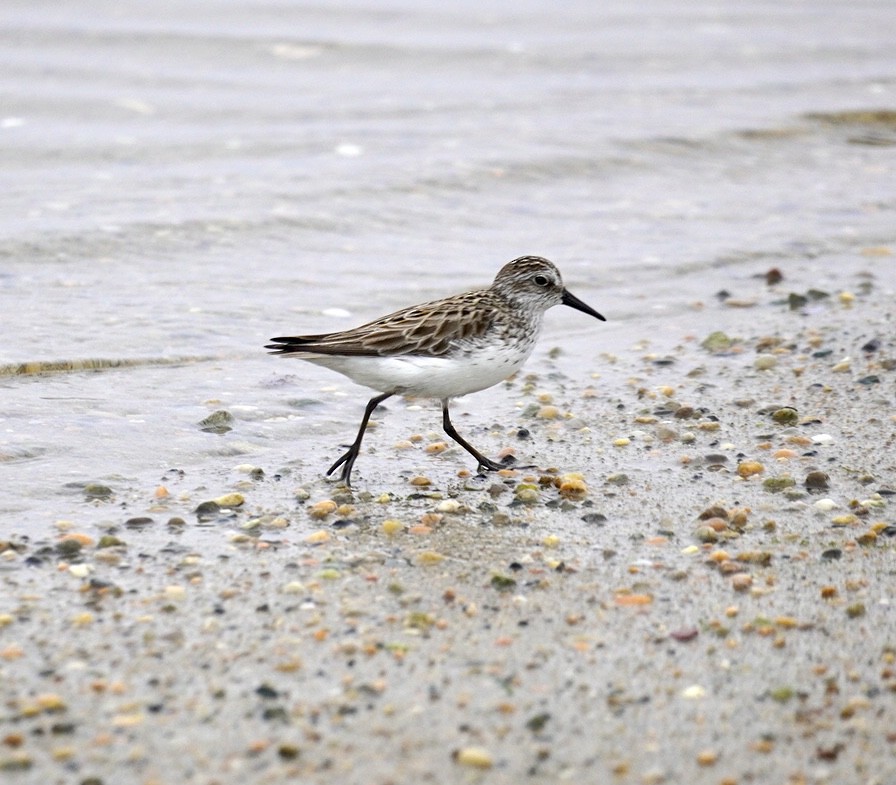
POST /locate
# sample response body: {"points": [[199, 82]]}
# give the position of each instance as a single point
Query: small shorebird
{"points": [[444, 348]]}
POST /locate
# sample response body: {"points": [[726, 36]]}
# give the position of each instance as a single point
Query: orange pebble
{"points": [[633, 599]]}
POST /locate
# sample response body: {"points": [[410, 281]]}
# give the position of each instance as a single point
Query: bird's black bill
{"points": [[574, 302]]}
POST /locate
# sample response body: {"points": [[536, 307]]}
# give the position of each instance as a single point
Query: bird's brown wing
{"points": [[426, 330]]}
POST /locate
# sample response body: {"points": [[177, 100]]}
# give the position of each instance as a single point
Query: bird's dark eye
{"points": [[541, 280]]}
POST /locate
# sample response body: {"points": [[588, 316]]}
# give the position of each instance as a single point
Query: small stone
{"points": [[572, 486], [475, 757], [503, 582], [322, 509], [784, 454], [207, 510], [666, 434], [138, 523], [229, 500], [856, 610], [717, 342], [817, 481], [69, 548], [843, 366], [765, 362], [778, 484], [786, 415], [391, 527], [318, 538], [742, 581], [527, 493], [749, 468], [706, 534], [220, 421], [98, 491], [175, 592]]}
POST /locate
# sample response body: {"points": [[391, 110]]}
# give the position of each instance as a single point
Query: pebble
{"points": [[817, 481], [476, 757], [229, 500], [843, 366], [742, 581], [391, 527], [84, 540], [318, 538], [717, 342], [175, 592], [778, 484], [527, 493], [219, 422], [572, 486], [322, 509], [95, 490], [749, 468], [765, 362], [622, 441], [786, 415]]}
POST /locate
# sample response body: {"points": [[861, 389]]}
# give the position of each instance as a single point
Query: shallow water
{"points": [[182, 182]]}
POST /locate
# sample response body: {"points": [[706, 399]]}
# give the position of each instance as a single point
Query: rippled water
{"points": [[186, 180]]}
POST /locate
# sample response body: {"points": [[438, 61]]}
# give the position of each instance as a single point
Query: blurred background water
{"points": [[185, 180]]}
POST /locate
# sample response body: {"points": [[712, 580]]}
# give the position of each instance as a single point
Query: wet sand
{"points": [[663, 600]]}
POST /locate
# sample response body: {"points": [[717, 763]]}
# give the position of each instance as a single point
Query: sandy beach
{"points": [[694, 583], [696, 586]]}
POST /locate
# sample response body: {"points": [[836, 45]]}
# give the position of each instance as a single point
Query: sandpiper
{"points": [[444, 348]]}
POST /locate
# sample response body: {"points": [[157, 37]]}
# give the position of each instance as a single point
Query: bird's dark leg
{"points": [[352, 453], [484, 463]]}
